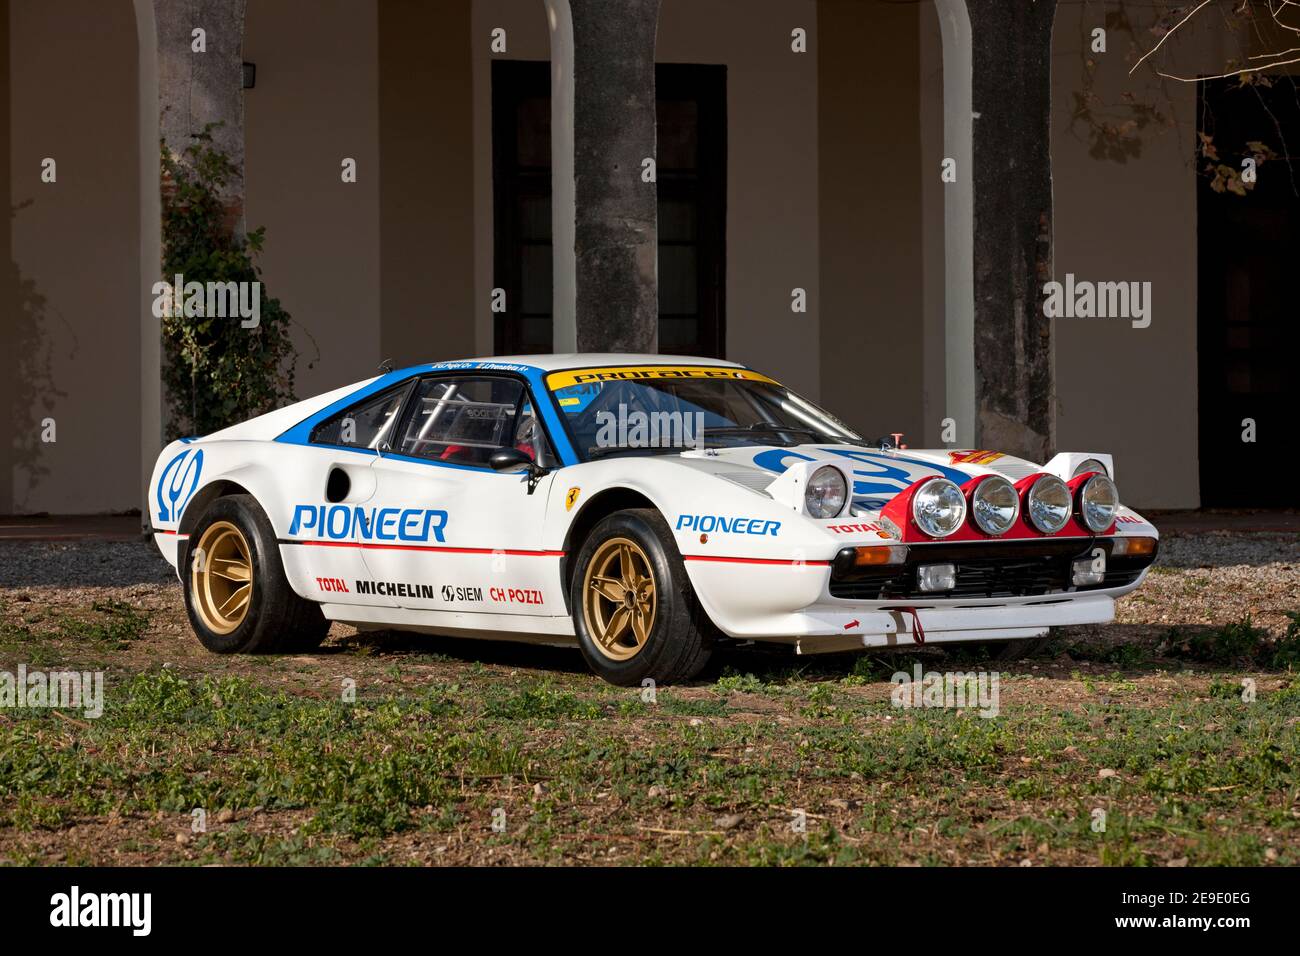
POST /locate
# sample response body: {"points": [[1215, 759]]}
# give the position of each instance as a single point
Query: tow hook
{"points": [[918, 632]]}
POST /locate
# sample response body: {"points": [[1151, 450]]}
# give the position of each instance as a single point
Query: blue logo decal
{"points": [[728, 525], [774, 459], [178, 482], [347, 522]]}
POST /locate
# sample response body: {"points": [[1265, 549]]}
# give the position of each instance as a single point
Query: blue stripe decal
{"points": [[550, 415], [300, 434], [952, 474]]}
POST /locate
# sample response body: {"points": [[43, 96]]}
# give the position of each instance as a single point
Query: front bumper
{"points": [[896, 627], [1001, 593]]}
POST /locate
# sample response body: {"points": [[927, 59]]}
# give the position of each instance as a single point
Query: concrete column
{"points": [[197, 88], [564, 266], [958, 222], [151, 424], [616, 219], [1012, 178]]}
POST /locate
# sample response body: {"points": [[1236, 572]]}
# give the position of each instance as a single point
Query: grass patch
{"points": [[419, 767], [115, 623], [1238, 643]]}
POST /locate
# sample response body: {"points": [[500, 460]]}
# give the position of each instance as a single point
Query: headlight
{"points": [[826, 492], [995, 505], [939, 507], [1087, 465], [1098, 503], [1049, 504]]}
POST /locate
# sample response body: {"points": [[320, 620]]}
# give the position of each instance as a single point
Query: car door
{"points": [[326, 532], [452, 534]]}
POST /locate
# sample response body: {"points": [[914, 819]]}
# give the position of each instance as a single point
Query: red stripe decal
{"points": [[785, 561], [424, 547]]}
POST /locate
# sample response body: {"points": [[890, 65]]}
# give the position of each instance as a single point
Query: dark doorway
{"points": [[691, 173], [1248, 248]]}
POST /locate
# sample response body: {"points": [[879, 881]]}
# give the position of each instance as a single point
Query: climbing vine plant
{"points": [[219, 369]]}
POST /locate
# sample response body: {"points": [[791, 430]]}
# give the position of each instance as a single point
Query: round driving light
{"points": [[826, 492], [1098, 503], [939, 507], [1087, 465], [995, 505], [1049, 504]]}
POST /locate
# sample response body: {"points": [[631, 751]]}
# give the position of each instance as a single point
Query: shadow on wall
{"points": [[29, 386]]}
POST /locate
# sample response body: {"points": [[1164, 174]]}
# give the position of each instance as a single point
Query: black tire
{"points": [[680, 639], [276, 620]]}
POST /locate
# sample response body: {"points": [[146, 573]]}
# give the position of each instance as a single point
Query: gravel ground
{"points": [[1216, 579], [1218, 549], [80, 564]]}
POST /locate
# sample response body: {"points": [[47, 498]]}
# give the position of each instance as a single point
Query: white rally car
{"points": [[645, 507]]}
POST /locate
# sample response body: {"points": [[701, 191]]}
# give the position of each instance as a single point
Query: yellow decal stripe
{"points": [[619, 373]]}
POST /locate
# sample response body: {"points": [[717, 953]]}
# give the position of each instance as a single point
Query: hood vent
{"points": [[1015, 470], [755, 481]]}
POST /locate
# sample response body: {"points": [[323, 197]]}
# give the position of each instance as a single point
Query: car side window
{"points": [[464, 420], [370, 424]]}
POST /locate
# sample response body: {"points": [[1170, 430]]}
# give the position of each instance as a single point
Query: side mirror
{"points": [[509, 459], [512, 459]]}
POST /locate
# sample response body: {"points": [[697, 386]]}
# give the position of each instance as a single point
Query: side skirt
{"points": [[500, 627]]}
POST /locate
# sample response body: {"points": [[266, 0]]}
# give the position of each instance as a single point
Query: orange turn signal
{"points": [[879, 555], [1133, 546]]}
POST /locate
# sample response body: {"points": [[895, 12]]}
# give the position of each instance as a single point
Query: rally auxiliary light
{"points": [[1040, 505], [994, 504], [1097, 503], [936, 577], [1048, 504], [1090, 571], [938, 507]]}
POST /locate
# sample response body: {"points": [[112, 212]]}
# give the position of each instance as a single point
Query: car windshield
{"points": [[662, 409]]}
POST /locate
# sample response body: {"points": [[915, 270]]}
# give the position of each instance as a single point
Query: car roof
{"points": [[568, 360]]}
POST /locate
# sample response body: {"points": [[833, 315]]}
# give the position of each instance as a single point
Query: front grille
{"points": [[987, 570]]}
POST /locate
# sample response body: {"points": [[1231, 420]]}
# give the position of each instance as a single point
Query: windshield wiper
{"points": [[762, 427], [604, 451]]}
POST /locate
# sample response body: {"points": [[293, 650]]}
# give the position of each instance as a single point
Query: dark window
{"points": [[691, 180], [1247, 333], [691, 172], [367, 425]]}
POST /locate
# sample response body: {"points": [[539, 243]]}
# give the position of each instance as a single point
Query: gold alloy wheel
{"points": [[221, 578], [619, 598]]}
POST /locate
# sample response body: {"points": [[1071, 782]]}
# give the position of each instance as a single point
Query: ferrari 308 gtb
{"points": [[647, 508]]}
